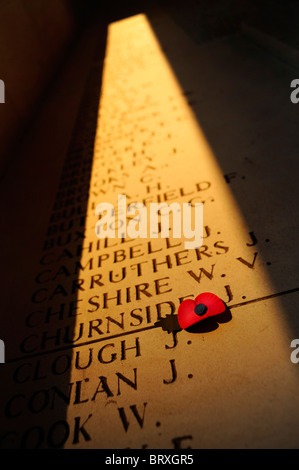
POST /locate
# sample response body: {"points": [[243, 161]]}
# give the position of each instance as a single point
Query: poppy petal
{"points": [[186, 315], [213, 303]]}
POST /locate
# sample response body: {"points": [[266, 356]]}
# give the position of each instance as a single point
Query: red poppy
{"points": [[193, 311]]}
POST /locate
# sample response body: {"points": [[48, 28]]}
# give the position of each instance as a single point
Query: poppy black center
{"points": [[200, 309]]}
